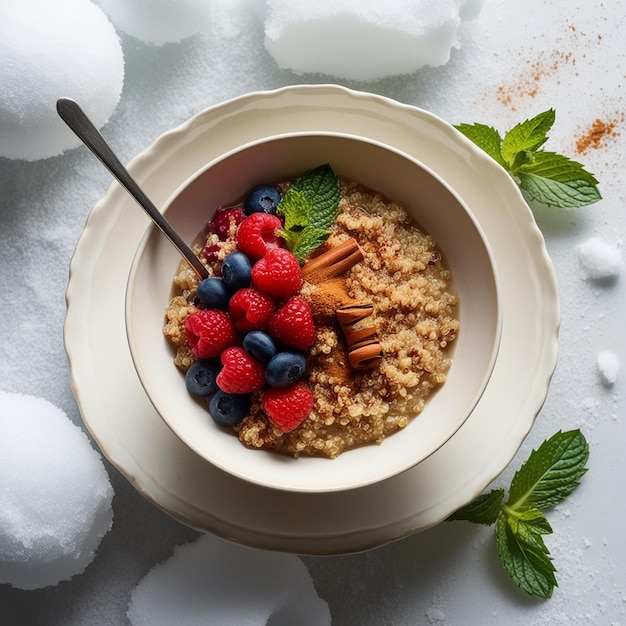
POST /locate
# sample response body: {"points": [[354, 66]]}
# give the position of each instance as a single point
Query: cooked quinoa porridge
{"points": [[384, 314]]}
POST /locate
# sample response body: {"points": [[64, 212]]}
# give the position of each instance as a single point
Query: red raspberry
{"points": [[257, 233], [221, 222], [292, 324], [240, 372], [250, 309], [288, 407], [209, 331], [278, 273], [210, 252]]}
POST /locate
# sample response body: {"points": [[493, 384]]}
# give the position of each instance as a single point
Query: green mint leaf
{"points": [[528, 523], [551, 472], [486, 138], [545, 177], [322, 189], [526, 559], [549, 475], [482, 510], [524, 157], [555, 180], [310, 208], [527, 136], [296, 208], [309, 240], [291, 238]]}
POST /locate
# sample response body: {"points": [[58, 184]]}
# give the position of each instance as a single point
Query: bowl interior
{"points": [[434, 207]]}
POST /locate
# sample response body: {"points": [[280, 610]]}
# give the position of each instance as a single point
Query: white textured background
{"points": [[515, 60]]}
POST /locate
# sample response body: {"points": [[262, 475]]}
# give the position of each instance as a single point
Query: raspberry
{"points": [[211, 251], [292, 324], [209, 331], [222, 220], [250, 309], [288, 407], [240, 373], [278, 273], [257, 233]]}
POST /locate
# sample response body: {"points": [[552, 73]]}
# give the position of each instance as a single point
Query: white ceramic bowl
{"points": [[434, 207]]}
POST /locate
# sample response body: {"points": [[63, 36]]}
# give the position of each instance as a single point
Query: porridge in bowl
{"points": [[336, 341]]}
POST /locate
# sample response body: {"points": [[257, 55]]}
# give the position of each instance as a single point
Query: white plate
{"points": [[136, 440]]}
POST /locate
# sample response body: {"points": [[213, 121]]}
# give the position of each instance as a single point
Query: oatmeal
{"points": [[384, 318]]}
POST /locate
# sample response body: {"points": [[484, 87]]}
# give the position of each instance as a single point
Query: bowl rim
{"points": [[350, 482]]}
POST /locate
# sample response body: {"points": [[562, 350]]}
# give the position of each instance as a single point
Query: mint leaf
{"points": [[551, 472], [545, 177], [310, 208], [322, 189], [526, 559], [291, 238], [486, 138], [309, 240], [296, 208], [482, 510], [527, 136], [549, 475], [528, 522], [555, 180]]}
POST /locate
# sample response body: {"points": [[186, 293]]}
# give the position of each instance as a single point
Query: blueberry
{"points": [[200, 378], [236, 271], [262, 199], [285, 368], [213, 293], [259, 345], [229, 409]]}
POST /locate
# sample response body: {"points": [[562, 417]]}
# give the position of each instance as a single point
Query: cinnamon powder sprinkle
{"points": [[529, 81], [552, 66], [596, 135]]}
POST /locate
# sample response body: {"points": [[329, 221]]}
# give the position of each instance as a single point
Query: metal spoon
{"points": [[76, 119]]}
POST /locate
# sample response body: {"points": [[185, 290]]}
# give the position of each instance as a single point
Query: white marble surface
{"points": [[515, 60]]}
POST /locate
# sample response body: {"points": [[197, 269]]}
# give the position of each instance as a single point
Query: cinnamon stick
{"points": [[365, 357], [359, 338], [364, 349], [353, 312], [334, 262]]}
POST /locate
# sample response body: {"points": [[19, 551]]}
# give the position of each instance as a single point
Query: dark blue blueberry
{"points": [[236, 271], [262, 199], [285, 368], [229, 409], [213, 293], [259, 345], [200, 378]]}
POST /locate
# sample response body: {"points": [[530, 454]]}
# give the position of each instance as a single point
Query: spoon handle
{"points": [[75, 118]]}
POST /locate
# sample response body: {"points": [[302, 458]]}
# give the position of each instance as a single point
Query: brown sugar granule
{"points": [[595, 136]]}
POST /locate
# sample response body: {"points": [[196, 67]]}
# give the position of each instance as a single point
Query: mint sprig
{"points": [[310, 208], [549, 475], [546, 177]]}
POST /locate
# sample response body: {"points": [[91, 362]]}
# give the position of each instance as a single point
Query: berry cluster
{"points": [[251, 328]]}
